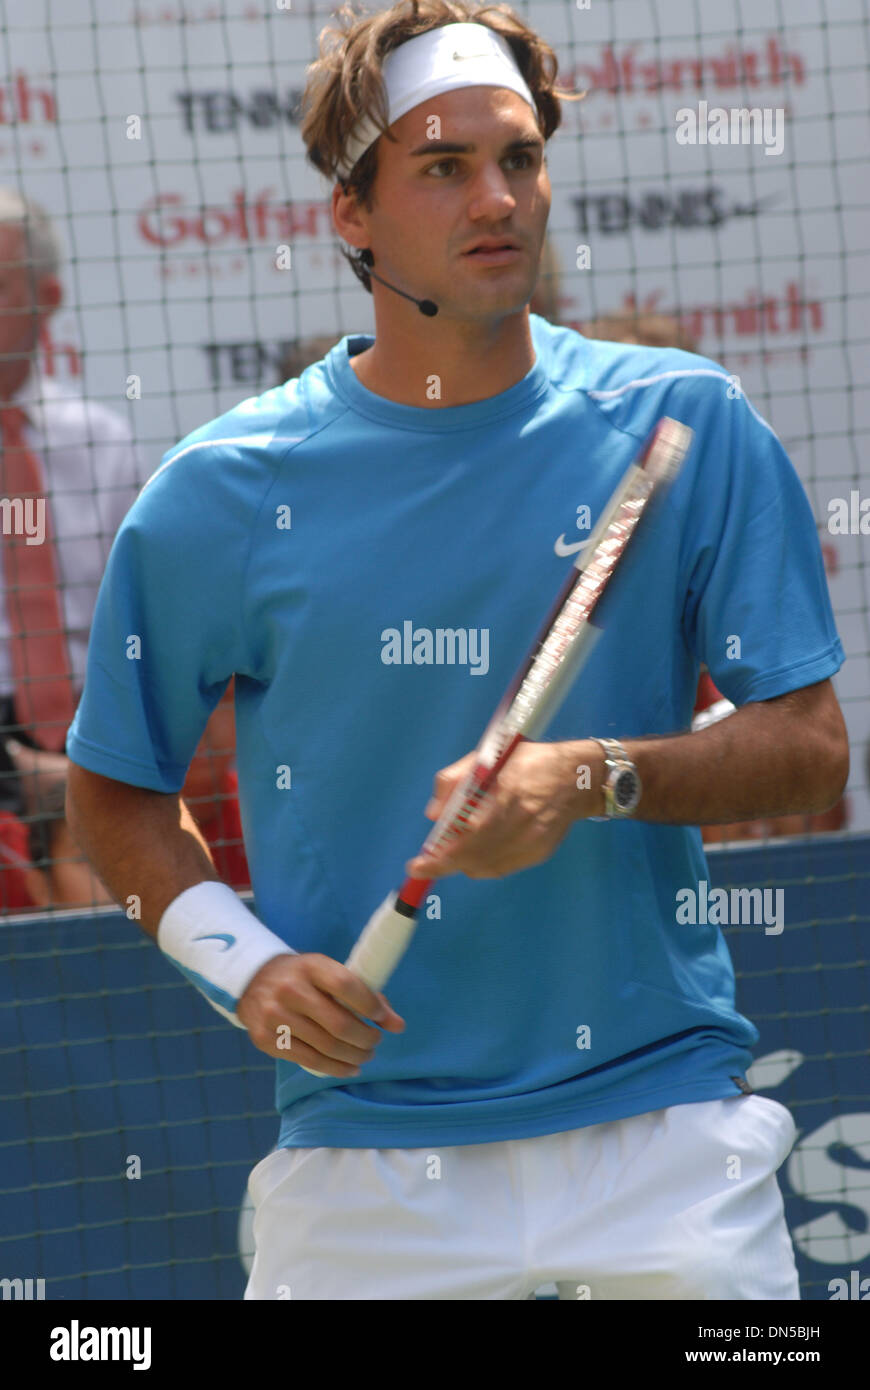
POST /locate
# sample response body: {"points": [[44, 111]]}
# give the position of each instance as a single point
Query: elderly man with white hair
{"points": [[69, 475]]}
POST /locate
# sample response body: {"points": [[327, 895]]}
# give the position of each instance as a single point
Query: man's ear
{"points": [[347, 218]]}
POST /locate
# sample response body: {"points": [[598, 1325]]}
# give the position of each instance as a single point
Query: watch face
{"points": [[626, 792]]}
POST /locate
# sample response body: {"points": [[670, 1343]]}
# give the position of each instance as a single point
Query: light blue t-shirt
{"points": [[372, 574]]}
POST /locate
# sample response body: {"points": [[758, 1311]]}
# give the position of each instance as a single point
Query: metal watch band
{"points": [[616, 762]]}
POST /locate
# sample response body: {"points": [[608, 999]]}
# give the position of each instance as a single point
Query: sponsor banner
{"points": [[165, 138]]}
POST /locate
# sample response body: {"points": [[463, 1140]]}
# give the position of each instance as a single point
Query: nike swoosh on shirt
{"points": [[563, 547], [464, 57], [218, 936]]}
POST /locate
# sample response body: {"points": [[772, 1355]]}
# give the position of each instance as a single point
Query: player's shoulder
{"points": [[633, 384], [244, 449]]}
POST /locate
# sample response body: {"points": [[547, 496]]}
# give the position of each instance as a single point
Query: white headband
{"points": [[441, 60]]}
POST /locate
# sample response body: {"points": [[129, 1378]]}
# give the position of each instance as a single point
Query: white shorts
{"points": [[680, 1203]]}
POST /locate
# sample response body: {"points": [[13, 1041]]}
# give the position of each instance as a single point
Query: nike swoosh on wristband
{"points": [[563, 547], [218, 936]]}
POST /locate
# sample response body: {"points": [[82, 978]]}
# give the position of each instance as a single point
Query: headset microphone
{"points": [[426, 306]]}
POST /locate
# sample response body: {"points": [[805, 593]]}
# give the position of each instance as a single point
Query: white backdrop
{"points": [[172, 236]]}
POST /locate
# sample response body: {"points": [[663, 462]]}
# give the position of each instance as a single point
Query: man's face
{"points": [[484, 176], [24, 300]]}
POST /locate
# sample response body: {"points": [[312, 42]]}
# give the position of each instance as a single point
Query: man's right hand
{"points": [[316, 999]]}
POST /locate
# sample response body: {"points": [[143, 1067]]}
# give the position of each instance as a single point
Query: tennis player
{"points": [[369, 550]]}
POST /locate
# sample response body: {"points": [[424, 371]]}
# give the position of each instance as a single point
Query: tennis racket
{"points": [[535, 693]]}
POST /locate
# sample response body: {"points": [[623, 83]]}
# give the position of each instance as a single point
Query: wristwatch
{"points": [[622, 785]]}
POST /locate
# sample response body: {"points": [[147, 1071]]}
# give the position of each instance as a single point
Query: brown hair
{"points": [[344, 83]]}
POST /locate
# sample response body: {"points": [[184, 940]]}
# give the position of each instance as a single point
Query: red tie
{"points": [[44, 696]]}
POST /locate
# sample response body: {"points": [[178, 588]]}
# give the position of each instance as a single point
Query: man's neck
{"points": [[434, 365]]}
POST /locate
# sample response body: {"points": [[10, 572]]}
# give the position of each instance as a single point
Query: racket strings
{"points": [[561, 644]]}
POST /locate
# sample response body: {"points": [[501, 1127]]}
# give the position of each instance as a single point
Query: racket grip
{"points": [[382, 943]]}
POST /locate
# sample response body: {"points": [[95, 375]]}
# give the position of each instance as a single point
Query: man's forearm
{"points": [[144, 845], [751, 764]]}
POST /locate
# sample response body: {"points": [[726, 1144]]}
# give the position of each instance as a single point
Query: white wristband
{"points": [[209, 934], [712, 715]]}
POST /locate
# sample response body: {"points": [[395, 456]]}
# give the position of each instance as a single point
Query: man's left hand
{"points": [[524, 818]]}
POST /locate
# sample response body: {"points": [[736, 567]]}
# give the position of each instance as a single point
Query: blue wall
{"points": [[107, 1052]]}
